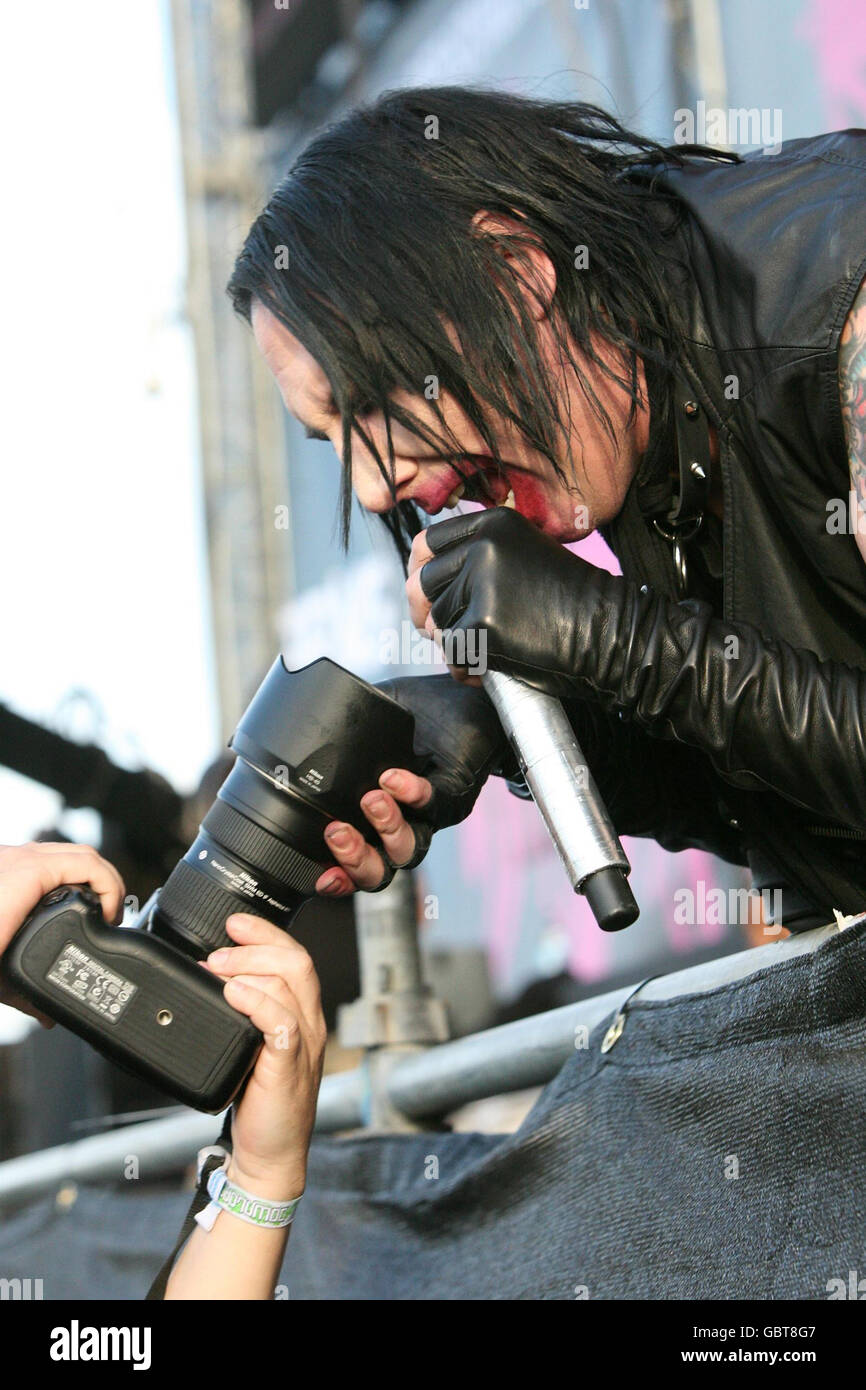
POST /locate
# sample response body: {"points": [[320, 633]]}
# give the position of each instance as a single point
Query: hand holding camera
{"points": [[29, 872], [310, 745], [271, 979], [267, 977]]}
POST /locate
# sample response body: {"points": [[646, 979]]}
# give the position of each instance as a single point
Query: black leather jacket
{"points": [[765, 266]]}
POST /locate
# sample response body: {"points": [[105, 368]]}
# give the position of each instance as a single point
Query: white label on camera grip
{"points": [[103, 991]]}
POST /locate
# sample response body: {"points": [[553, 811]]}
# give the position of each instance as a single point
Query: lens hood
{"points": [[326, 735]]}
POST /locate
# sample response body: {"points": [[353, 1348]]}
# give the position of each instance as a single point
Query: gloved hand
{"points": [[769, 716], [460, 739], [458, 733], [650, 789]]}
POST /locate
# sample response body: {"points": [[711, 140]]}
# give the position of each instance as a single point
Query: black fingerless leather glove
{"points": [[650, 789], [458, 734], [768, 716]]}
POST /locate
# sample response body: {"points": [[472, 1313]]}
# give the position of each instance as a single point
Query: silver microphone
{"points": [[563, 789], [565, 793]]}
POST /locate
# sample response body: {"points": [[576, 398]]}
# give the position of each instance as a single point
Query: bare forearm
{"points": [[234, 1260]]}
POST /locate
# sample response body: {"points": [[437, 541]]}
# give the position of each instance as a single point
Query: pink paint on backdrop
{"points": [[686, 870], [493, 852], [595, 552], [504, 850], [836, 35]]}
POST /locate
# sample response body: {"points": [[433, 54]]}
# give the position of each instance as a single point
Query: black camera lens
{"points": [[310, 744]]}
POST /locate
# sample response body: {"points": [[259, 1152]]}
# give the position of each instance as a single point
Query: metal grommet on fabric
{"points": [[615, 1031]]}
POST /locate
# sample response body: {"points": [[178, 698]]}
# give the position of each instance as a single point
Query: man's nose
{"points": [[371, 488]]}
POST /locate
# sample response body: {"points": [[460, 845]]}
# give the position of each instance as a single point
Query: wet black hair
{"points": [[367, 249]]}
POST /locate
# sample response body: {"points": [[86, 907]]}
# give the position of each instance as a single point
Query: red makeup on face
{"points": [[562, 510]]}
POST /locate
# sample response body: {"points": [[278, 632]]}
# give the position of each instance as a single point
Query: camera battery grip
{"points": [[137, 999]]}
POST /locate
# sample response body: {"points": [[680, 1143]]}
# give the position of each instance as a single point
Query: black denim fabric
{"points": [[621, 1182], [718, 1150]]}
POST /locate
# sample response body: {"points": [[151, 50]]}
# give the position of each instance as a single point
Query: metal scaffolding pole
{"points": [[396, 1014], [242, 445], [699, 70]]}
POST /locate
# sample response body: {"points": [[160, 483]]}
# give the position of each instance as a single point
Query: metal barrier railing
{"points": [[404, 1080]]}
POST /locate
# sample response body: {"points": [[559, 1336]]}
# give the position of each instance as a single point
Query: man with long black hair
{"points": [[469, 294]]}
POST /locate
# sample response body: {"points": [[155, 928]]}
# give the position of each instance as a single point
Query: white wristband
{"points": [[225, 1195]]}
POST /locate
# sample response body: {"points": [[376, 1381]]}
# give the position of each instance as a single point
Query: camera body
{"points": [[309, 746], [142, 1002]]}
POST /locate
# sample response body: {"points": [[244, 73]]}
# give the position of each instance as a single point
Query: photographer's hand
{"points": [[28, 872], [271, 979]]}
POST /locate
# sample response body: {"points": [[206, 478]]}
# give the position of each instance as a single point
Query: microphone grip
{"points": [[562, 787]]}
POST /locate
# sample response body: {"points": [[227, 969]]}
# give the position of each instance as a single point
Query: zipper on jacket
{"points": [[836, 831]]}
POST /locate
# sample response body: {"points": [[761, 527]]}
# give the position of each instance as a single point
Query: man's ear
{"points": [[527, 257]]}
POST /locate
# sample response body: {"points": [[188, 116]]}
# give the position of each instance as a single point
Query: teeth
{"points": [[484, 485]]}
